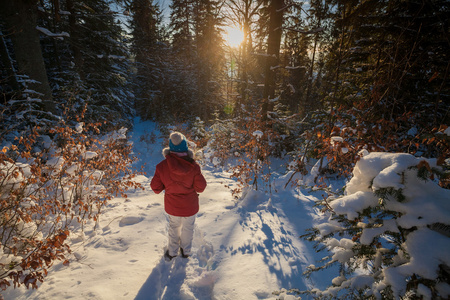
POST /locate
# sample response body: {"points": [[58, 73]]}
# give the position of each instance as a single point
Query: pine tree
{"points": [[104, 67], [276, 9], [62, 56], [317, 18], [377, 232], [21, 20], [180, 91], [148, 48], [210, 57], [294, 61], [182, 29]]}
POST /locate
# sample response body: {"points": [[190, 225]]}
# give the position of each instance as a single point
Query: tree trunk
{"points": [[273, 53], [20, 17], [75, 40], [309, 103], [6, 60]]}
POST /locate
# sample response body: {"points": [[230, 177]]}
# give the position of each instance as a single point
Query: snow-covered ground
{"points": [[244, 249]]}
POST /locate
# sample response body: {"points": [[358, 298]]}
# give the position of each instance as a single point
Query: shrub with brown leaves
{"points": [[45, 190]]}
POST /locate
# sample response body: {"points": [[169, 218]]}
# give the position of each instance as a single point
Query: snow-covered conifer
{"points": [[389, 232]]}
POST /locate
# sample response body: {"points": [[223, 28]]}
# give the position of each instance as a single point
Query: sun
{"points": [[233, 36]]}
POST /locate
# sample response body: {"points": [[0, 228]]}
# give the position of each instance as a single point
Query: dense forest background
{"points": [[372, 72], [377, 67]]}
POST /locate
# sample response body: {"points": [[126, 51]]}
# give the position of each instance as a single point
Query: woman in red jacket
{"points": [[181, 177]]}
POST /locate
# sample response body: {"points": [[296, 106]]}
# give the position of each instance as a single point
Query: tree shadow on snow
{"points": [[275, 243], [165, 281], [274, 230]]}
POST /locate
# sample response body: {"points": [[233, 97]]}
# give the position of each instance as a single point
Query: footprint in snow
{"points": [[205, 250], [130, 220]]}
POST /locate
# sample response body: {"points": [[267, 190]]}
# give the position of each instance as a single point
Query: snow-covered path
{"points": [[243, 249]]}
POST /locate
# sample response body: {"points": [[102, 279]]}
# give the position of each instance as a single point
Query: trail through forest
{"points": [[242, 249]]}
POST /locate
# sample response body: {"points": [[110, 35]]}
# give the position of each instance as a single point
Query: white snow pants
{"points": [[181, 232]]}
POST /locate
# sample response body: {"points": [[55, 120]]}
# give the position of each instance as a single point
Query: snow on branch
{"points": [[112, 56], [395, 210], [275, 67], [294, 68], [48, 33], [119, 57], [264, 54], [315, 30], [274, 99]]}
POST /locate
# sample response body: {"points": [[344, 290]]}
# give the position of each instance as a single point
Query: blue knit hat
{"points": [[177, 142]]}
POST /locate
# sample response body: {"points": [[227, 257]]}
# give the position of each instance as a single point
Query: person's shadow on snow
{"points": [[165, 281]]}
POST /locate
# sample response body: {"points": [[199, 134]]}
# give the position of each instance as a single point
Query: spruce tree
{"points": [[276, 9], [105, 66], [148, 48], [210, 57], [20, 19], [379, 232], [182, 29]]}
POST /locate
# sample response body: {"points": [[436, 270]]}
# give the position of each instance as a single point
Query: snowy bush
{"points": [[341, 136], [198, 132], [222, 142], [246, 144], [46, 188], [389, 233]]}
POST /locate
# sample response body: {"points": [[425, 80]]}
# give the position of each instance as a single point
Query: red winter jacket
{"points": [[182, 180]]}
